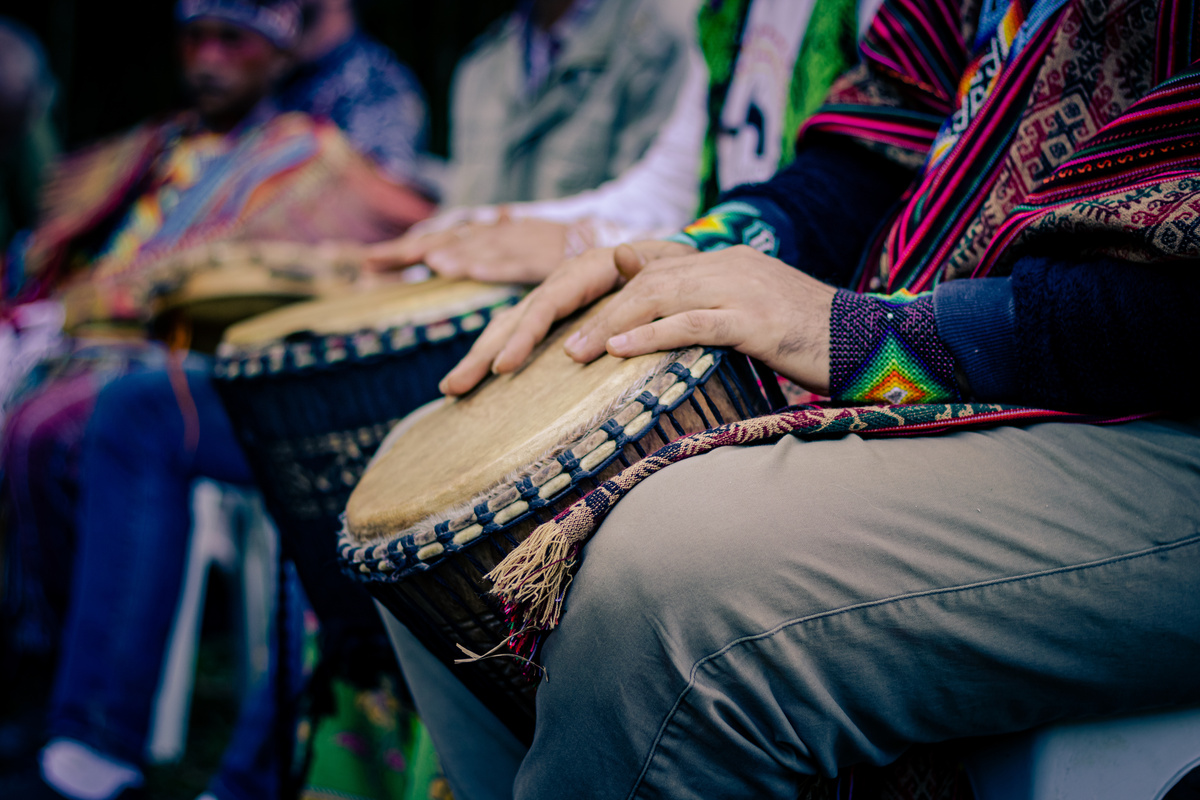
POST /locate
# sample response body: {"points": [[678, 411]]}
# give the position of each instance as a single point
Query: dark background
{"points": [[115, 59]]}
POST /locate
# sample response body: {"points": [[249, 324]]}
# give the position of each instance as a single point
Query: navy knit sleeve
{"points": [[827, 204], [1103, 335]]}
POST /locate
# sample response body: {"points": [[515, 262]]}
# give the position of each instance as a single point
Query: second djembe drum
{"points": [[313, 388]]}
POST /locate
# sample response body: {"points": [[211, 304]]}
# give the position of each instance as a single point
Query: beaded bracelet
{"points": [[885, 349], [727, 225]]}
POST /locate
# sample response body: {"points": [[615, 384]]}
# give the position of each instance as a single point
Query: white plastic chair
{"points": [[1137, 757], [231, 531]]}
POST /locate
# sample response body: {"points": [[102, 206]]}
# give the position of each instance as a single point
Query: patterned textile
{"points": [[186, 159], [1075, 84], [727, 225], [289, 177], [885, 349], [372, 748], [374, 99]]}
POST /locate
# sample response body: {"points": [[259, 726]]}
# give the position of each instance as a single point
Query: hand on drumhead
{"points": [[409, 249], [735, 298], [511, 337], [510, 251], [507, 251]]}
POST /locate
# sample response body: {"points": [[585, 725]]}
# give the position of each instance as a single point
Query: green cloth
{"points": [[373, 748], [828, 49]]}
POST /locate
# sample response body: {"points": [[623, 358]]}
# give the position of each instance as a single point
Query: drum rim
{"points": [[421, 546], [320, 351]]}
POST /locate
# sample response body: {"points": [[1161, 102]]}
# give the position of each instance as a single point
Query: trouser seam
{"points": [[1028, 576]]}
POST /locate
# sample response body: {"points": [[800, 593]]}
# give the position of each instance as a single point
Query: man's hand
{"points": [[512, 335], [509, 251], [735, 298]]}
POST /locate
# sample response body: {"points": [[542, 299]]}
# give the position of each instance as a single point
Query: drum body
{"points": [[312, 389], [459, 486]]}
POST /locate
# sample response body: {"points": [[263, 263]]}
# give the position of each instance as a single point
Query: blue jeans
{"points": [[147, 441]]}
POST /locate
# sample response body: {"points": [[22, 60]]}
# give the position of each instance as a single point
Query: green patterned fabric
{"points": [[828, 49], [728, 225], [373, 748]]}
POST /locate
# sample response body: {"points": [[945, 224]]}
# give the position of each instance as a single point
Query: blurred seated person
{"points": [[760, 68], [117, 211], [348, 78], [561, 96], [231, 167], [161, 517]]}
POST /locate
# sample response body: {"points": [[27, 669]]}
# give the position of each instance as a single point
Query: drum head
{"points": [[471, 444], [377, 307], [230, 294]]}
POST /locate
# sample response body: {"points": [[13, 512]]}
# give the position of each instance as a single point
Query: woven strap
{"points": [[533, 579]]}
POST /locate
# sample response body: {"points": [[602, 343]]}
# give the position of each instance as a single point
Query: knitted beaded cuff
{"points": [[885, 349], [727, 225]]}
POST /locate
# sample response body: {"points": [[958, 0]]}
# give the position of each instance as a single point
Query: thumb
{"points": [[391, 255], [629, 262]]}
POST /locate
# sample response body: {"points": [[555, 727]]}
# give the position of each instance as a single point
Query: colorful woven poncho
{"points": [[112, 214], [1072, 126]]}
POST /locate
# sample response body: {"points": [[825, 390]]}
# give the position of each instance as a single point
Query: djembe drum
{"points": [[313, 388], [462, 484]]}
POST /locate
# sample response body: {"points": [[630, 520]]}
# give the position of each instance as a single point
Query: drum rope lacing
{"points": [[323, 351], [420, 547]]}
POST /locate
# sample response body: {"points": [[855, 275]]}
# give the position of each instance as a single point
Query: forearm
{"points": [[1101, 335]]}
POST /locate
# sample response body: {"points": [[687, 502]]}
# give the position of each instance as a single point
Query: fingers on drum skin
{"points": [[532, 328], [629, 262], [444, 262], [402, 252], [478, 360], [649, 296], [707, 327]]}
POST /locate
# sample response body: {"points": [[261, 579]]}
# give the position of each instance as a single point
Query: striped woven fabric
{"points": [[1080, 71]]}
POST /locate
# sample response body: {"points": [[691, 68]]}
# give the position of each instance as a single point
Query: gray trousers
{"points": [[758, 614]]}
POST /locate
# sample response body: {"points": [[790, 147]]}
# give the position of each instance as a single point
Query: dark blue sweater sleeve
{"points": [[827, 204], [1103, 335]]}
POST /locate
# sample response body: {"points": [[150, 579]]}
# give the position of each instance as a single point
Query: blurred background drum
{"points": [[204, 291], [312, 389]]}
